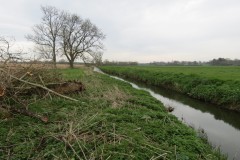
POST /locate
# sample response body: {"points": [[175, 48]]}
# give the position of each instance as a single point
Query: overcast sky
{"points": [[142, 30]]}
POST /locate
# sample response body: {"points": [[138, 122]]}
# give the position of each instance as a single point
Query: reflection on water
{"points": [[222, 126], [230, 117]]}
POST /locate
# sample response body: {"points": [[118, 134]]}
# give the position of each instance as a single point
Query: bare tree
{"points": [[77, 38], [97, 58], [80, 39], [45, 34], [6, 53]]}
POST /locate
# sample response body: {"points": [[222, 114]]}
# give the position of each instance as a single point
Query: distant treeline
{"points": [[214, 62], [118, 63]]}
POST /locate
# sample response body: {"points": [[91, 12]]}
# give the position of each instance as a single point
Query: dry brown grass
{"points": [[40, 64], [112, 93], [63, 66], [115, 96]]}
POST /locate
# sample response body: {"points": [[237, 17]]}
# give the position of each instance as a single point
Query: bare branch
{"points": [[6, 53], [69, 33], [46, 33], [79, 38]]}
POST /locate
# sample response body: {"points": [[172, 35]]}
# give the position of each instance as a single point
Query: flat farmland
{"points": [[215, 72]]}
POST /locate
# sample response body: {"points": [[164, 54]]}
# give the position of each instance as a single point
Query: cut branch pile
{"points": [[2, 91], [21, 82]]}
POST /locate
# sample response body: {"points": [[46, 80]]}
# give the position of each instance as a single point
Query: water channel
{"points": [[221, 126]]}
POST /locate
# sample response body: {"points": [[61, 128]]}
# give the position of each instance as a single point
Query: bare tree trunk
{"points": [[54, 57], [54, 61], [71, 63]]}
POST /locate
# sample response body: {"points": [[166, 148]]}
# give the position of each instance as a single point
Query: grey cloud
{"points": [[145, 30]]}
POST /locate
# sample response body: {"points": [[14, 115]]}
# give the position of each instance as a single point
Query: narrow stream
{"points": [[221, 126]]}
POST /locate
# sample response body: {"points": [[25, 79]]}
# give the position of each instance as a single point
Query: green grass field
{"points": [[217, 85], [111, 120], [219, 72]]}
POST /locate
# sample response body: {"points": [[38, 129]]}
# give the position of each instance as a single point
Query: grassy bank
{"points": [[210, 84], [111, 121], [213, 72]]}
